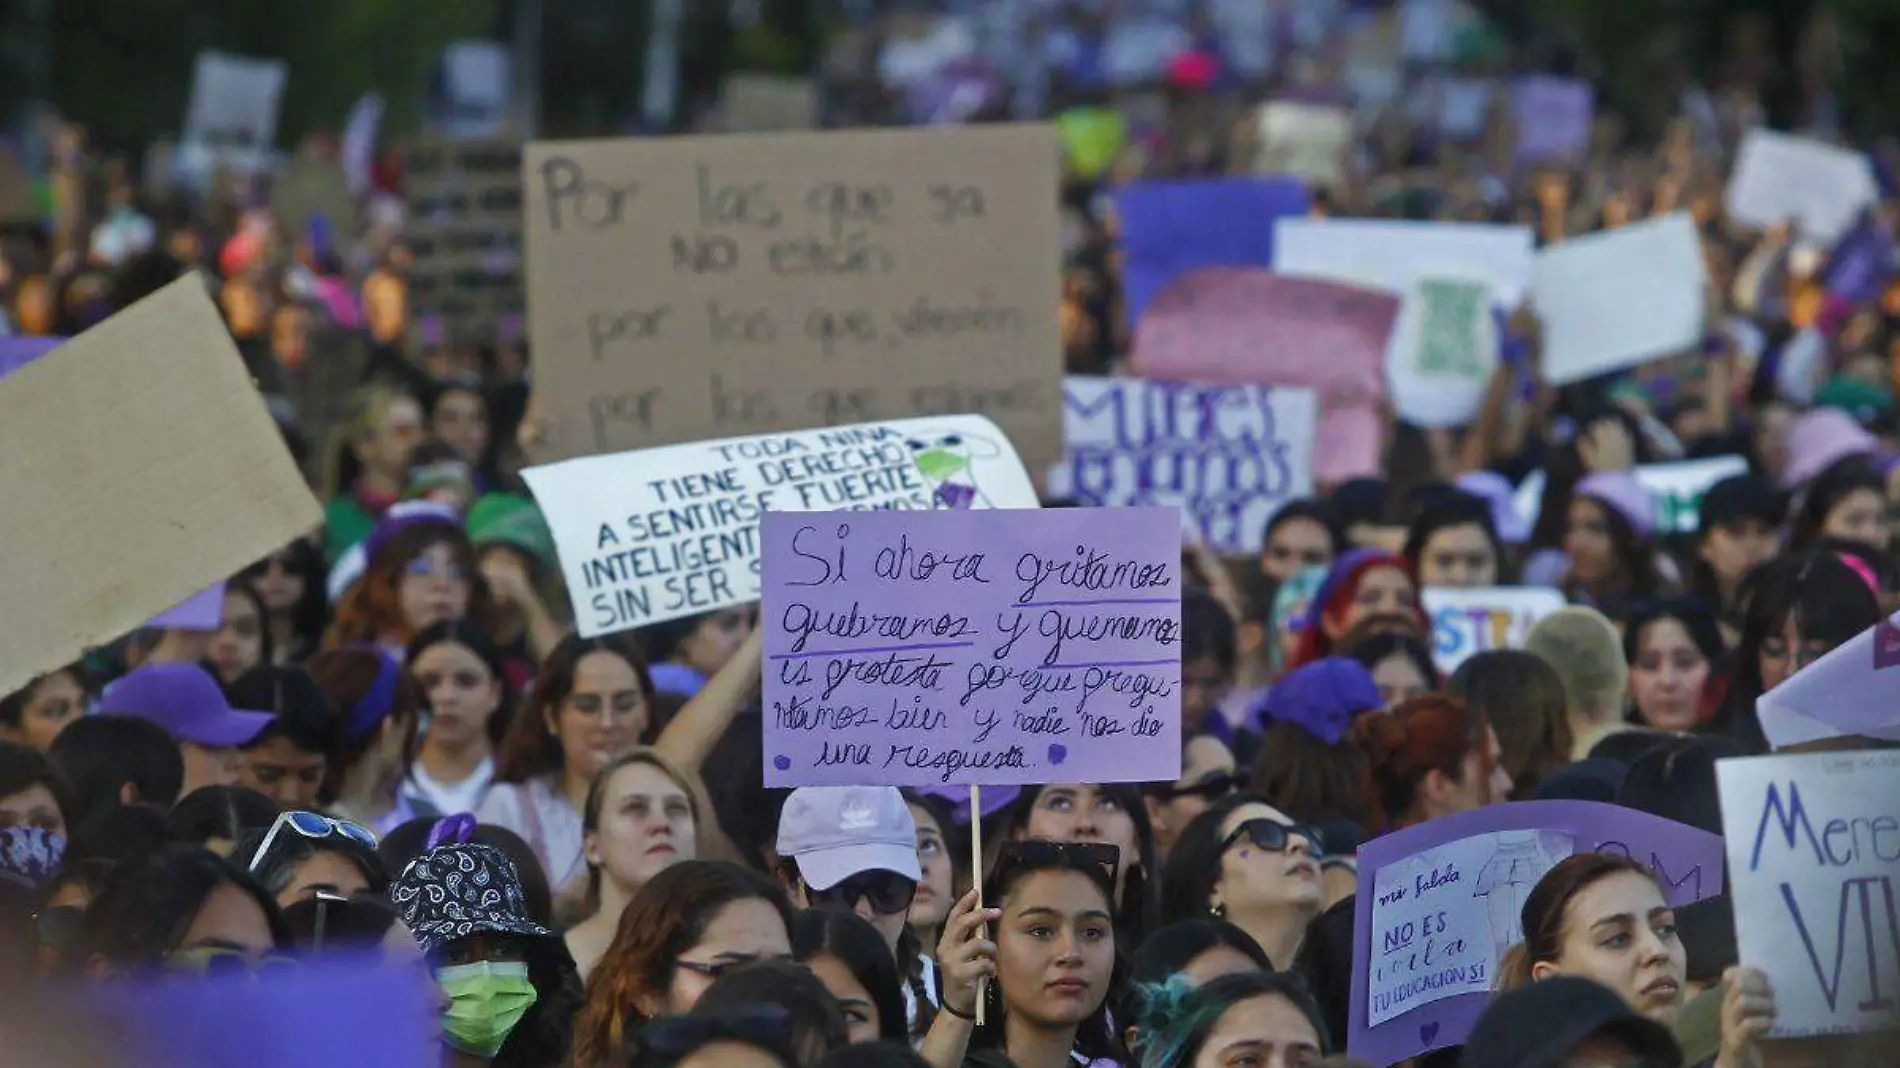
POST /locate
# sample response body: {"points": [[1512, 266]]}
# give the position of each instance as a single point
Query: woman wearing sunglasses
{"points": [[1207, 775], [509, 989], [689, 925], [851, 848], [182, 909], [1051, 966], [306, 853], [1248, 863], [1114, 815]]}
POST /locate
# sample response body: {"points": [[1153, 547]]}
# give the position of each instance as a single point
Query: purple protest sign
{"points": [[1439, 903], [1170, 229], [17, 352], [203, 610], [1002, 647], [1553, 117]]}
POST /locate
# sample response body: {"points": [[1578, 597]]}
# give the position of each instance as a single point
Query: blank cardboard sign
{"points": [[139, 467], [689, 288]]}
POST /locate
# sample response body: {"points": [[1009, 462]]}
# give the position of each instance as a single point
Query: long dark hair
{"points": [[1696, 620], [1138, 900], [149, 902], [1522, 697], [476, 639], [666, 918], [1194, 862], [857, 945], [528, 750], [1095, 1037], [1457, 509], [311, 614], [1635, 557], [1840, 480], [1170, 949]]}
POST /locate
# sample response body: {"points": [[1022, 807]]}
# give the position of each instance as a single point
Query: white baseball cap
{"points": [[835, 832]]}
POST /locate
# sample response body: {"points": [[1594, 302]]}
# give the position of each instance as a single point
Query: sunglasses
{"points": [[715, 969], [314, 826], [1274, 836], [676, 1036], [1046, 853], [888, 892], [1212, 788], [217, 962]]}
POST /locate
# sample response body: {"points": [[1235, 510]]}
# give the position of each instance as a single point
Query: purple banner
{"points": [[1553, 118], [1439, 903], [1171, 228], [1000, 647], [17, 352], [203, 610], [1861, 264]]}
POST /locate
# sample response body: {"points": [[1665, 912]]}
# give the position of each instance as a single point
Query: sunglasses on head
{"points": [[1044, 852], [1212, 788], [314, 826], [676, 1036], [1274, 836], [888, 892], [715, 969]]}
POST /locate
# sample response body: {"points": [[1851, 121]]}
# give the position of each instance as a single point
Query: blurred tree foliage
{"points": [[123, 67]]}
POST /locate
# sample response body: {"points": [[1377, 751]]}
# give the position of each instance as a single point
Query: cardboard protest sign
{"points": [[1619, 298], [203, 610], [1229, 456], [1853, 690], [144, 431], [1780, 177], [1392, 254], [1439, 903], [657, 534], [1466, 622], [464, 238], [1243, 327], [232, 118], [1553, 117], [1169, 229], [693, 287], [1444, 351], [768, 103], [1308, 141], [1814, 852], [984, 647]]}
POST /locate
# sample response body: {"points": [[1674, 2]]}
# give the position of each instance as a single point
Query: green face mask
{"points": [[486, 1000]]}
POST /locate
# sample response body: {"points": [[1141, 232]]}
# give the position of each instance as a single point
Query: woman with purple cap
{"points": [[420, 570], [1609, 543], [186, 701]]}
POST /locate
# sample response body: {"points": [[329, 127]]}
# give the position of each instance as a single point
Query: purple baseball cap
{"points": [[186, 701]]}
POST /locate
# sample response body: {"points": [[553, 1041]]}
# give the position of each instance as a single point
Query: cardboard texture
{"points": [[706, 287], [141, 467], [464, 236], [766, 103]]}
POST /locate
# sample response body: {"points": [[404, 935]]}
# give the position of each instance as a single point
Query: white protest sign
{"points": [[1309, 141], [1814, 854], [1853, 690], [1466, 622], [232, 118], [1443, 351], [1389, 254], [657, 534], [1230, 456], [1620, 298], [1678, 488], [1779, 177], [1464, 898]]}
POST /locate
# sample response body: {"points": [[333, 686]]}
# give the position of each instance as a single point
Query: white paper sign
{"points": [[232, 117], [1306, 140], [1466, 622], [1230, 456], [1620, 298], [1443, 351], [1779, 177], [1443, 917], [1389, 254], [1678, 488], [1814, 855], [656, 534], [1853, 690]]}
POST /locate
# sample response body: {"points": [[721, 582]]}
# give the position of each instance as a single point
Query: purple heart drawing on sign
{"points": [[1428, 1032], [1058, 752], [782, 763]]}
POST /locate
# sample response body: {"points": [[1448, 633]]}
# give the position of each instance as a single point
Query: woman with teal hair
{"points": [[1253, 1017]]}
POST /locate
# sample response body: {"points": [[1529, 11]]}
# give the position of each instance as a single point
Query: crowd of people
{"points": [[393, 743]]}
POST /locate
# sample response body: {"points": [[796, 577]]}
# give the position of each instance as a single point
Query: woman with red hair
{"points": [[421, 570], [1431, 756], [1366, 592]]}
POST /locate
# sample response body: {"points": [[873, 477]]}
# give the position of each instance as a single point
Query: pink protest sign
{"points": [[1439, 903], [1001, 647], [1246, 326], [203, 610]]}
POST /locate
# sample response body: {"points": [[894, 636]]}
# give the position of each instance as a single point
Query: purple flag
{"points": [[203, 610], [1169, 229], [914, 648], [1439, 903], [17, 352], [1553, 118]]}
